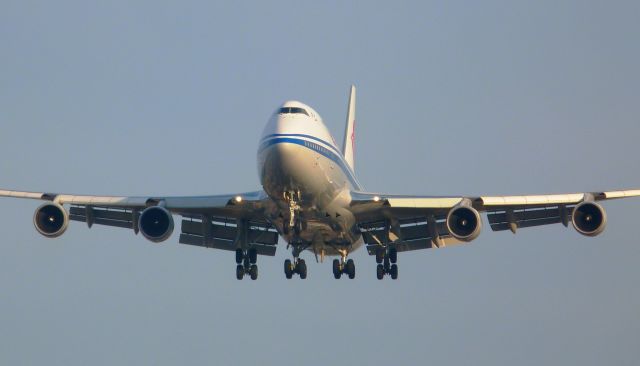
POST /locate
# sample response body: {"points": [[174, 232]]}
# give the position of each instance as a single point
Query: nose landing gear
{"points": [[294, 221], [298, 265]]}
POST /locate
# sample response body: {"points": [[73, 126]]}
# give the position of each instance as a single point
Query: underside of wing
{"points": [[405, 223], [228, 222], [421, 222], [407, 234], [515, 212]]}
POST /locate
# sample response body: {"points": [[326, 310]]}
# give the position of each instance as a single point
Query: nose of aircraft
{"points": [[292, 117], [297, 119]]}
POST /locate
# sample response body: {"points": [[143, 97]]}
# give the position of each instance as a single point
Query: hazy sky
{"points": [[155, 98]]}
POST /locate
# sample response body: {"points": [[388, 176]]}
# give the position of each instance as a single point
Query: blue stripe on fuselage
{"points": [[328, 153], [303, 135], [335, 150]]}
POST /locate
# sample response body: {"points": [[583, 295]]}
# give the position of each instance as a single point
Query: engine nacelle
{"points": [[589, 218], [51, 220], [464, 223], [156, 224]]}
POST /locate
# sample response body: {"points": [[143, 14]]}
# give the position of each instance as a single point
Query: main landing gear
{"points": [[340, 267], [246, 263], [386, 259], [297, 266]]}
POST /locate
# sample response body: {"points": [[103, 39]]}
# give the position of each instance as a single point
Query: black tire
{"points": [[288, 269], [379, 255], [297, 227], [239, 256], [336, 269], [393, 255], [253, 255], [351, 269], [239, 271], [302, 269], [299, 266], [380, 271], [394, 271], [253, 272]]}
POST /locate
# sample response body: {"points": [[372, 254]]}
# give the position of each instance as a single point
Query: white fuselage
{"points": [[301, 169]]}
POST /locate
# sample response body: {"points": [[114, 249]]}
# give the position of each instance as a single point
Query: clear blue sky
{"points": [[153, 97]]}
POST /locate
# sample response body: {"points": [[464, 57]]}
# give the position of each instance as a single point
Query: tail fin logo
{"points": [[353, 136]]}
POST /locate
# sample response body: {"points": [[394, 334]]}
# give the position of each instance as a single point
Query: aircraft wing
{"points": [[227, 221], [420, 222]]}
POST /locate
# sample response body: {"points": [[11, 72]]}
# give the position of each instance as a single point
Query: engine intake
{"points": [[156, 224], [589, 218], [464, 223], [51, 220]]}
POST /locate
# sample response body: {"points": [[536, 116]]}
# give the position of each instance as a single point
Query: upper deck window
{"points": [[293, 110]]}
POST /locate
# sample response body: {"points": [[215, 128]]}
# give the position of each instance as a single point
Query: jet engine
{"points": [[51, 220], [589, 218], [156, 224], [464, 223]]}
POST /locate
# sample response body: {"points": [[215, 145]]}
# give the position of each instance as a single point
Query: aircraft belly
{"points": [[323, 190], [289, 167]]}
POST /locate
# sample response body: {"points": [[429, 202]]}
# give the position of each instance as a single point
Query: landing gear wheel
{"points": [[301, 268], [288, 269], [337, 271], [379, 255], [380, 271], [253, 272], [297, 227], [351, 269], [394, 271], [253, 255], [239, 271], [239, 256], [393, 255]]}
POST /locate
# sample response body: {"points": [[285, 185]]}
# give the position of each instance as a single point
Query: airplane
{"points": [[312, 199]]}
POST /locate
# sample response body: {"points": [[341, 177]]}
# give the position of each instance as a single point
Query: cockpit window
{"points": [[293, 110]]}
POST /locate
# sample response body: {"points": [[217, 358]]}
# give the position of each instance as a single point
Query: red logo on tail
{"points": [[353, 137]]}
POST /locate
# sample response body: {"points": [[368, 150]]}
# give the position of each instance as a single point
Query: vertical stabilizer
{"points": [[349, 142]]}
